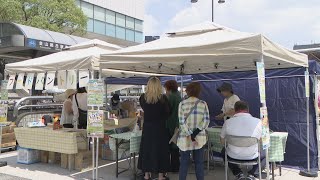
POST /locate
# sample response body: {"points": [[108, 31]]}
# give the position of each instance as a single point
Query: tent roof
{"points": [[203, 48], [81, 56]]}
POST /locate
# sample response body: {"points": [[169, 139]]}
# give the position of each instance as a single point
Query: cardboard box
{"points": [[28, 156], [11, 144], [8, 138], [8, 129], [44, 156]]}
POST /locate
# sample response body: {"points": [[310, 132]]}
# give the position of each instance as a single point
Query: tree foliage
{"points": [[55, 15]]}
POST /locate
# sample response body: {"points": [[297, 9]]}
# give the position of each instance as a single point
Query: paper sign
{"points": [[19, 84], [12, 79], [3, 112], [83, 78], [95, 92], [4, 91], [39, 81], [50, 80], [265, 128], [95, 127], [307, 83], [62, 79], [29, 81], [72, 79], [262, 81]]}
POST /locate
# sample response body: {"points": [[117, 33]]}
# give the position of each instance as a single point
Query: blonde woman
{"points": [[154, 148]]}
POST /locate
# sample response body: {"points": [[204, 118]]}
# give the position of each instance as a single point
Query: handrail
{"points": [[16, 106], [40, 105]]}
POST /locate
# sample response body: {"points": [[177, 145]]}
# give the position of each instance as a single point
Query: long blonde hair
{"points": [[153, 91]]}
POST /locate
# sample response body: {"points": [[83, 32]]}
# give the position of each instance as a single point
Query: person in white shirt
{"points": [[228, 104], [80, 107], [242, 124], [67, 111]]}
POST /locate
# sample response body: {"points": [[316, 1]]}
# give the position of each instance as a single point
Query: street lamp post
{"points": [[212, 9]]}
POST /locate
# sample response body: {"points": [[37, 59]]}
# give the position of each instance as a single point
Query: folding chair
{"points": [[241, 141]]}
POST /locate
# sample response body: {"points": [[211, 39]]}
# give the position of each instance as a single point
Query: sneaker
{"points": [[240, 176], [251, 177]]}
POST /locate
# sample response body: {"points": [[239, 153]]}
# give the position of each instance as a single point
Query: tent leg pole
{"points": [[308, 173], [181, 87]]}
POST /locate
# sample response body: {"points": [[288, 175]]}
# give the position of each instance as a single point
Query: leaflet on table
{"points": [[95, 127], [265, 127], [3, 112], [262, 82], [4, 90], [95, 92]]}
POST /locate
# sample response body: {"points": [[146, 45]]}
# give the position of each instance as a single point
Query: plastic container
{"points": [[28, 156]]}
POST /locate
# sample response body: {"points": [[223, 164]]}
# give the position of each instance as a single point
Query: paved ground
{"points": [[40, 171]]}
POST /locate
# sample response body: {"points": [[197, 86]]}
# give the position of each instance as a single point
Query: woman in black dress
{"points": [[154, 148]]}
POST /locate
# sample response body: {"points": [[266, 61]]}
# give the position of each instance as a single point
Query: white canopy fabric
{"points": [[203, 48], [85, 55]]}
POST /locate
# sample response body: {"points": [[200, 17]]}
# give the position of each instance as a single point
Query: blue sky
{"points": [[286, 22]]}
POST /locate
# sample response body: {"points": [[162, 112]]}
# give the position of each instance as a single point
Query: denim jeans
{"points": [[198, 157]]}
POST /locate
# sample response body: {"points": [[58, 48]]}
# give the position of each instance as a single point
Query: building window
{"points": [[99, 13], [110, 30], [110, 17], [99, 27], [138, 25], [138, 37], [120, 20], [120, 32], [130, 22], [90, 25], [129, 35], [87, 9]]}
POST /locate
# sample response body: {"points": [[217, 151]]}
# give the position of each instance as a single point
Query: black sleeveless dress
{"points": [[154, 147]]}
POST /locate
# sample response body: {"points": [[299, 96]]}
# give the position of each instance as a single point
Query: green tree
{"points": [[55, 15]]}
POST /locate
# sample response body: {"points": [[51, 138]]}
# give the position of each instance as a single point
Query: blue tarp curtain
{"points": [[286, 102]]}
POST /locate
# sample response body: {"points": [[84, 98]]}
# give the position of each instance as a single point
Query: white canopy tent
{"points": [[203, 48]]}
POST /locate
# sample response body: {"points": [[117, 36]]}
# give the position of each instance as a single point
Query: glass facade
{"points": [[110, 23]]}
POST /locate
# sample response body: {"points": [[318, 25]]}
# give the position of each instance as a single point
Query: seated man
{"points": [[242, 124]]}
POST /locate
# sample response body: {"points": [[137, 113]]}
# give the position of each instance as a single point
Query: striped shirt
{"points": [[199, 118]]}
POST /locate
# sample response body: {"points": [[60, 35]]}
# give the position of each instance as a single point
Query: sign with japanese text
{"points": [[83, 78], [29, 81], [72, 79], [19, 84], [12, 79], [262, 81], [95, 127], [3, 112], [307, 83], [4, 91], [62, 79], [40, 81], [50, 80], [95, 92], [265, 128]]}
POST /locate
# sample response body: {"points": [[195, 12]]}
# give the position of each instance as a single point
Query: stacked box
{"points": [[28, 156]]}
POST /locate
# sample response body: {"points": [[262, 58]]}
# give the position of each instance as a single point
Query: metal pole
{"points": [[93, 158], [212, 11], [308, 130], [181, 87], [97, 158]]}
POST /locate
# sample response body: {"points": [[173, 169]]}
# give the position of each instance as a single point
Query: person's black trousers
{"points": [[174, 159]]}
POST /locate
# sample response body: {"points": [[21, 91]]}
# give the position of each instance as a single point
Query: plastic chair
{"points": [[241, 141]]}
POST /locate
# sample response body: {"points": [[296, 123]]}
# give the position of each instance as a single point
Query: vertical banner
{"points": [[39, 81], [265, 128], [307, 83], [12, 79], [29, 81], [95, 92], [62, 79], [83, 78], [262, 81], [19, 84], [4, 91], [95, 126], [50, 80], [72, 79], [3, 112]]}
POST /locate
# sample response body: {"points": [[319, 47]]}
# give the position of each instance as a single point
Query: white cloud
{"points": [[151, 25], [286, 22]]}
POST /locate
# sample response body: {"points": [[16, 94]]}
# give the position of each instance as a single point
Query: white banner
{"points": [[83, 78], [11, 80], [262, 81], [50, 80], [62, 79], [19, 84], [29, 81], [40, 81], [72, 79], [307, 83]]}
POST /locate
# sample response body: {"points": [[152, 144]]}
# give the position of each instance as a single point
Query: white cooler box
{"points": [[28, 156]]}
